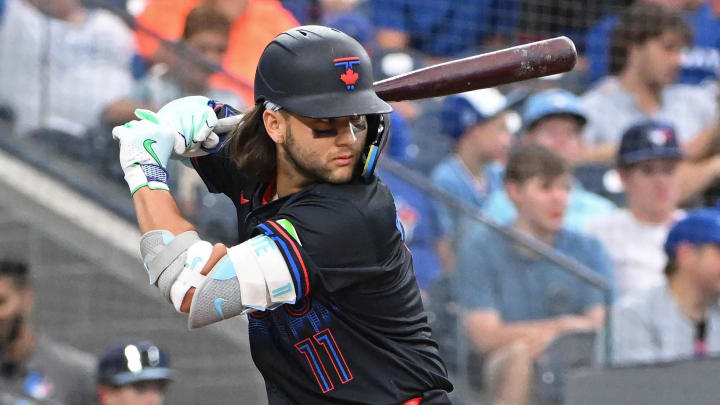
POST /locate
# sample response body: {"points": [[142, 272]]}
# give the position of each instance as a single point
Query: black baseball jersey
{"points": [[357, 333]]}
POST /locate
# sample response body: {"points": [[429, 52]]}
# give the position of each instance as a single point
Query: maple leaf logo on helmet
{"points": [[349, 77]]}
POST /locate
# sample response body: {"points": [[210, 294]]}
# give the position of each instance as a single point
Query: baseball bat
{"points": [[528, 61]]}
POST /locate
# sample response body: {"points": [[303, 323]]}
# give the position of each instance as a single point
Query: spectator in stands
{"points": [[515, 301], [206, 32], [679, 319], [647, 161], [442, 28], [33, 366], [61, 63], [554, 119], [700, 62], [478, 121], [255, 24], [133, 372], [646, 53]]}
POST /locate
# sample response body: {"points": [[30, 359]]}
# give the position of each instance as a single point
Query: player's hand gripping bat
{"points": [[529, 61]]}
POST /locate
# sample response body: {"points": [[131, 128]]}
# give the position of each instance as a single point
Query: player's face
{"points": [[142, 393], [541, 202], [660, 58], [15, 304], [561, 134], [323, 150], [652, 186]]}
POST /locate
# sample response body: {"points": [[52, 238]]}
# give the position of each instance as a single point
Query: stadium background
{"points": [[71, 218]]}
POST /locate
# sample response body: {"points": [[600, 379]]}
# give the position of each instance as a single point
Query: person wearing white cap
{"points": [[481, 125]]}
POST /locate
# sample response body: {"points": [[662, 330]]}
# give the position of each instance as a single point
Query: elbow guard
{"points": [[250, 276]]}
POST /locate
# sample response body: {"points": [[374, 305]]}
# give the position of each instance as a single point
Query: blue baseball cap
{"points": [[700, 226], [648, 140], [552, 102], [464, 110], [133, 361]]}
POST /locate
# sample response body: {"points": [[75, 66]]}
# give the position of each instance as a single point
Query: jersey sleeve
{"points": [[219, 173], [331, 243]]}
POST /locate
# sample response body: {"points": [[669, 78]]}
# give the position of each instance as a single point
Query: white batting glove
{"points": [[145, 148], [198, 129]]}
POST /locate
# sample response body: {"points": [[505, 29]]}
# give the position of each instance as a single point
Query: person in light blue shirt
{"points": [[554, 119], [516, 302], [478, 123]]}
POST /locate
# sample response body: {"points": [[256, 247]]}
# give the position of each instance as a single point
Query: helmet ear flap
{"points": [[379, 125]]}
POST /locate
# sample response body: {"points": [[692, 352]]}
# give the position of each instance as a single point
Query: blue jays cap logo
{"points": [[660, 136], [349, 77]]}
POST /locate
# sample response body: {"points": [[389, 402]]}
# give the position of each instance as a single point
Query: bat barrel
{"points": [[528, 61]]}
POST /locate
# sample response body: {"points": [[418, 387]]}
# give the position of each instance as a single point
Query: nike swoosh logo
{"points": [[148, 147], [243, 200], [218, 306]]}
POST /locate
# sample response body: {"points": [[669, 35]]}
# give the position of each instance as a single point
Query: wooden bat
{"points": [[528, 61]]}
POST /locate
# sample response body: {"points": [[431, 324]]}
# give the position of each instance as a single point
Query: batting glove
{"points": [[145, 147], [197, 127]]}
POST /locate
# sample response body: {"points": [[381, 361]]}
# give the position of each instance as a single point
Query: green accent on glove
{"points": [[132, 192], [147, 144], [147, 115]]}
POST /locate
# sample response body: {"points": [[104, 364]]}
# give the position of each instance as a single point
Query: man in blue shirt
{"points": [[554, 119], [515, 301]]}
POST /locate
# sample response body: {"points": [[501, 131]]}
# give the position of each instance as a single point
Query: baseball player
{"points": [[335, 315]]}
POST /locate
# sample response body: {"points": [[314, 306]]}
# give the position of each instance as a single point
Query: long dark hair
{"points": [[251, 148], [640, 23]]}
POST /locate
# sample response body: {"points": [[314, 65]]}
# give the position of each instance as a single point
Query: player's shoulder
{"points": [[370, 204], [356, 192]]}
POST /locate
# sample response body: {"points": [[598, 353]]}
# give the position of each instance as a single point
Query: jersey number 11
{"points": [[325, 339]]}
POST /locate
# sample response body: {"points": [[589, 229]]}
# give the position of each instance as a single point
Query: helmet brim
{"points": [[335, 105]]}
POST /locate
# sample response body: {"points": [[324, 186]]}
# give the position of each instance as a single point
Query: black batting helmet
{"points": [[321, 72], [318, 72]]}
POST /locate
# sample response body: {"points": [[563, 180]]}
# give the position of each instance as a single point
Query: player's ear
{"points": [[275, 125]]}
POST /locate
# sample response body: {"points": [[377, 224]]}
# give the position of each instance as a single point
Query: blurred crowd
{"points": [[614, 165]]}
